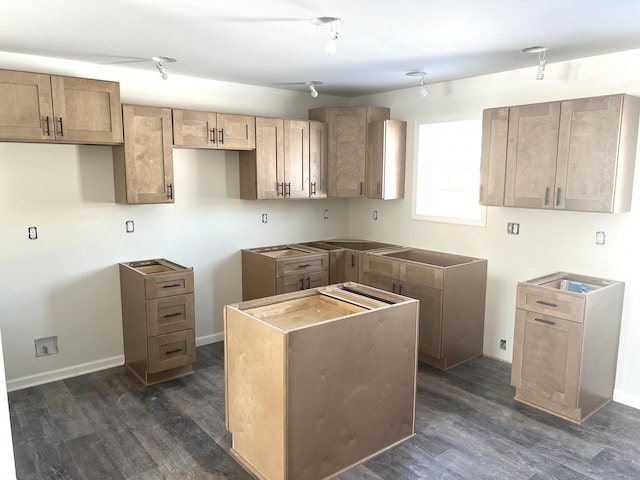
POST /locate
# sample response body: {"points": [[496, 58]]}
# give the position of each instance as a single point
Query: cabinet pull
{"points": [[302, 284], [361, 188], [170, 191], [546, 196], [378, 189], [304, 265], [48, 130], [547, 304], [169, 352], [313, 188], [280, 189], [308, 283], [173, 285], [212, 133], [544, 320], [558, 196], [353, 260], [169, 315], [400, 289], [61, 126], [221, 136], [287, 187]]}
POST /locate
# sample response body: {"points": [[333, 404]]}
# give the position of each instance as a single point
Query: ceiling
{"points": [[274, 43]]}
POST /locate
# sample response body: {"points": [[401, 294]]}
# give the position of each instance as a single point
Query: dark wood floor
{"points": [[106, 425]]}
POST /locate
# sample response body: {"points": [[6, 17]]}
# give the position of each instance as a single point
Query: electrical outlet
{"points": [[375, 214], [130, 227], [264, 218], [600, 238], [513, 228], [32, 233], [326, 215], [503, 344], [46, 346]]}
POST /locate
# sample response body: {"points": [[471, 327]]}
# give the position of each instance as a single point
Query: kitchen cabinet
{"points": [[158, 319], [36, 107], [565, 346], [268, 271], [347, 146], [279, 166], [574, 155], [451, 289], [143, 165], [318, 159], [386, 154], [318, 381], [197, 129]]}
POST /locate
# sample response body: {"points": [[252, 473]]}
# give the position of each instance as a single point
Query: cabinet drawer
{"points": [[170, 314], [554, 302], [158, 286], [421, 274], [302, 265], [293, 283], [379, 265], [171, 350]]}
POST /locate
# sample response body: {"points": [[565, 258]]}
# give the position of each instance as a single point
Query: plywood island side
{"points": [[318, 381]]}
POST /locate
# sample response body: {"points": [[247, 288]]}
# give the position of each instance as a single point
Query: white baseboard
{"points": [[626, 399], [62, 373], [90, 367]]}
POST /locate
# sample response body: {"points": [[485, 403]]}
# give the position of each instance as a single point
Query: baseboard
{"points": [[62, 373], [90, 367], [626, 399]]}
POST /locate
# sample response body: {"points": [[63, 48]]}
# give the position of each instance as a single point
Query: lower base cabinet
{"points": [[319, 380], [565, 344]]}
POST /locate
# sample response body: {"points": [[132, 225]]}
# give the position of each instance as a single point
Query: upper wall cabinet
{"points": [[143, 166], [347, 146], [387, 144], [195, 129], [571, 155], [47, 108], [318, 159]]}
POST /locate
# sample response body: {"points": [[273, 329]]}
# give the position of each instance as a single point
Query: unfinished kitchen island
{"points": [[319, 380]]}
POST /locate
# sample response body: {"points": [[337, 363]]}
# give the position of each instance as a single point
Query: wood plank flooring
{"points": [[106, 425]]}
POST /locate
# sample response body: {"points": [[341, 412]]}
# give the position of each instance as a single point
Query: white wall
{"points": [[549, 241]]}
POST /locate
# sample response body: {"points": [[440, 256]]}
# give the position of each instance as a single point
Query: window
{"points": [[448, 173]]}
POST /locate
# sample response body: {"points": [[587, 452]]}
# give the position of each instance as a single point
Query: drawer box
{"points": [[165, 285], [172, 350], [550, 301], [170, 314], [307, 264]]}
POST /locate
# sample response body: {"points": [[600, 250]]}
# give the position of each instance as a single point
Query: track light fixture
{"points": [[542, 62], [312, 87], [422, 91], [330, 47], [160, 61]]}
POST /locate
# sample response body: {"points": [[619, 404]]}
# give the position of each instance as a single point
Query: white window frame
{"points": [[418, 160]]}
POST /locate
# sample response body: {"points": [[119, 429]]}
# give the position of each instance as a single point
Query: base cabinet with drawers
{"points": [[566, 343], [158, 319], [268, 271], [319, 380], [451, 289]]}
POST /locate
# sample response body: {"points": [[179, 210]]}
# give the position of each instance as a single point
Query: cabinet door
{"points": [[25, 106], [546, 357], [347, 151], [379, 281], [386, 153], [351, 265], [430, 320], [194, 129], [86, 111], [236, 132], [587, 153], [531, 155], [317, 159], [493, 162], [143, 166], [296, 158], [269, 158]]}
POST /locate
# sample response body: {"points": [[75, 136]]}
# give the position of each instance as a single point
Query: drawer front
{"points": [[170, 314], [158, 286], [171, 350], [557, 303], [302, 264], [293, 283], [425, 275], [378, 265]]}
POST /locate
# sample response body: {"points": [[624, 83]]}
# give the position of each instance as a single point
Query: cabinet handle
{"points": [[61, 126], [558, 196], [547, 304], [302, 284], [169, 315], [353, 261], [212, 133], [361, 188], [287, 192], [378, 189], [393, 288], [170, 190], [48, 130], [221, 136], [169, 352], [173, 285], [308, 283], [546, 196], [313, 188], [544, 320], [304, 265]]}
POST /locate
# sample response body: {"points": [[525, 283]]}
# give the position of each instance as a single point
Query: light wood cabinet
{"points": [[320, 380], [318, 157], [197, 129], [347, 146], [36, 107], [143, 165], [570, 155], [386, 154], [158, 319], [566, 343], [451, 289], [268, 271]]}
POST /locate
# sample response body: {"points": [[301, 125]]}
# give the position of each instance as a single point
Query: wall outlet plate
{"points": [[600, 238], [46, 346], [32, 233], [129, 225]]}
